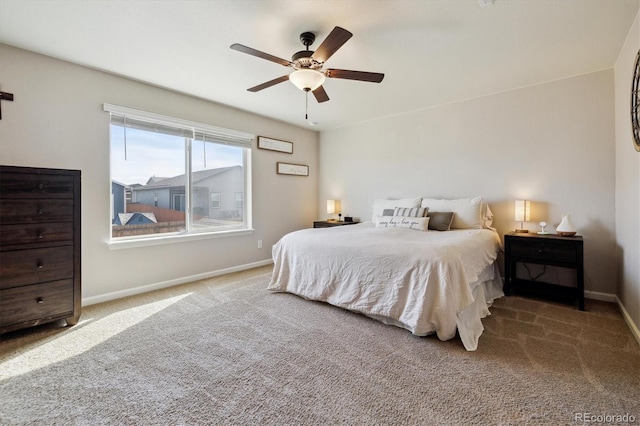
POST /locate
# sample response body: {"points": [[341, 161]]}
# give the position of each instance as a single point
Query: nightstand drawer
{"points": [[544, 252], [34, 302], [331, 223]]}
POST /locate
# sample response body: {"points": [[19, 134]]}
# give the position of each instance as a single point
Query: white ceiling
{"points": [[432, 52]]}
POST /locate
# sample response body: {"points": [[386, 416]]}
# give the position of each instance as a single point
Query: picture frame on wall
{"points": [[278, 145], [292, 169]]}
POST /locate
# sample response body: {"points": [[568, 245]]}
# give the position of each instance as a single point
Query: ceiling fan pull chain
{"points": [[306, 106]]}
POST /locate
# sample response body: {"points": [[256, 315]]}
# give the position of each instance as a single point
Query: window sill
{"points": [[174, 238]]}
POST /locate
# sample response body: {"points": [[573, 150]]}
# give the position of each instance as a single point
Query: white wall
{"points": [[57, 121], [552, 143], [627, 180]]}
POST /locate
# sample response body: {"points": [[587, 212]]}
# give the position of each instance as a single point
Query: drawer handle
{"points": [[41, 186], [40, 265], [40, 211], [40, 300], [540, 251], [39, 235]]}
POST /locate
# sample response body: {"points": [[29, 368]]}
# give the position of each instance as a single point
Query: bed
{"points": [[422, 280]]}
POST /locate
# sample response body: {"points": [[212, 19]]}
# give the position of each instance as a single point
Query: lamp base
{"points": [[521, 231]]}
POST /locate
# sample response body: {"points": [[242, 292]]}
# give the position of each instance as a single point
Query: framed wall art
{"points": [[275, 145], [292, 169]]}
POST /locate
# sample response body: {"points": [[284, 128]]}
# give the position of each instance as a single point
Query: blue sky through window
{"points": [[156, 154]]}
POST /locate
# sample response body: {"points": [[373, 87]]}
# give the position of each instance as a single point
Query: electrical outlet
{"points": [[259, 243]]}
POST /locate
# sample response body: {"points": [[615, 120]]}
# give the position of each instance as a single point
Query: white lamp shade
{"points": [[523, 211], [305, 79], [331, 206]]}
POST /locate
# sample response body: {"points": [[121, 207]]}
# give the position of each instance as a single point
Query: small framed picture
{"points": [[292, 169], [275, 145]]}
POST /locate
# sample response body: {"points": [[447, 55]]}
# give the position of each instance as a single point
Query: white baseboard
{"points": [[607, 297], [632, 326], [164, 284], [596, 295]]}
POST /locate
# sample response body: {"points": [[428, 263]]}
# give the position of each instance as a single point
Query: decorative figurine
{"points": [[542, 231]]}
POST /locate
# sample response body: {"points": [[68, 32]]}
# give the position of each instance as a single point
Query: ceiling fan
{"points": [[308, 75]]}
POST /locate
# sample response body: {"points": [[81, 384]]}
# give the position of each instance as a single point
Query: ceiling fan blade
{"points": [[320, 94], [259, 54], [373, 77], [334, 41], [269, 83]]}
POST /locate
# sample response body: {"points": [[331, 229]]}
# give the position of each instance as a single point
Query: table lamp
{"points": [[522, 214], [333, 207]]}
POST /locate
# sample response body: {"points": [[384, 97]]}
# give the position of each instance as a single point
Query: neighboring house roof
{"points": [[124, 218], [155, 182], [119, 183], [155, 179]]}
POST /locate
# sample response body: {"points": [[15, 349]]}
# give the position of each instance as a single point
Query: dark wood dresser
{"points": [[40, 277]]}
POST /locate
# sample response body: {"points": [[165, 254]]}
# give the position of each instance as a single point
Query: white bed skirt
{"points": [[485, 290]]}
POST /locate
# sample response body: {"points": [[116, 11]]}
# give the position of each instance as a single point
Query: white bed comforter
{"points": [[422, 281]]}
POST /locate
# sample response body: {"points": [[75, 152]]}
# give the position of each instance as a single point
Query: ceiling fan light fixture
{"points": [[307, 80]]}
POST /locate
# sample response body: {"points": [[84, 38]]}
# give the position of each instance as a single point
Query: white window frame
{"points": [[182, 198], [220, 135], [219, 200]]}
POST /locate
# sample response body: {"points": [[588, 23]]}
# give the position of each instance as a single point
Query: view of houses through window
{"points": [[168, 179]]}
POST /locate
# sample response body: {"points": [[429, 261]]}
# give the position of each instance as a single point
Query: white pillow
{"points": [[487, 215], [468, 212], [380, 204], [417, 223]]}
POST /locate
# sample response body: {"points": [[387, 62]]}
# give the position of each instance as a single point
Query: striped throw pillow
{"points": [[410, 211]]}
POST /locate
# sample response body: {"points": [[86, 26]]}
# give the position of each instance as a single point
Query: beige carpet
{"points": [[227, 351]]}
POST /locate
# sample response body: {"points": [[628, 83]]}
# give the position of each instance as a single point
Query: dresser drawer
{"points": [[21, 185], [37, 302], [544, 251], [34, 235], [23, 267], [35, 211]]}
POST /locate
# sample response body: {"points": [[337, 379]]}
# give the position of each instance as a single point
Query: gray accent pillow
{"points": [[440, 221], [387, 212]]}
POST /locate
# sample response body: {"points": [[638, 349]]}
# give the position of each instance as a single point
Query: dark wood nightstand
{"points": [[331, 223], [552, 250]]}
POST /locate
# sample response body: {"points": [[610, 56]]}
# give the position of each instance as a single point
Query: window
{"points": [[176, 175], [239, 200], [215, 200], [178, 202]]}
